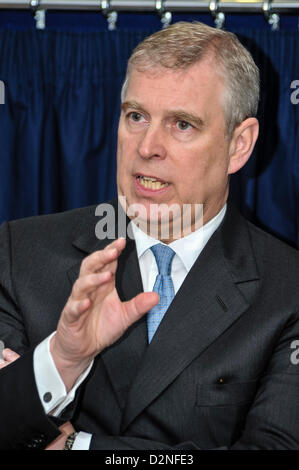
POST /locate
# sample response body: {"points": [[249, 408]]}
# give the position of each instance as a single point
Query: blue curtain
{"points": [[267, 188], [59, 122]]}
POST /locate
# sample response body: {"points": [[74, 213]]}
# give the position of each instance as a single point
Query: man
{"points": [[216, 371]]}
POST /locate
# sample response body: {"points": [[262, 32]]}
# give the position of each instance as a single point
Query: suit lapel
{"points": [[88, 246], [208, 303]]}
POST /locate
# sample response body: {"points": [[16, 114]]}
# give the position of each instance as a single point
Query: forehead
{"points": [[197, 89]]}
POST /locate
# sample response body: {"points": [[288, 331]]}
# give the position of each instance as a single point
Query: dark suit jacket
{"points": [[218, 372]]}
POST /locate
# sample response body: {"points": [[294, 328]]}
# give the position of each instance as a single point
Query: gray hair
{"points": [[183, 44]]}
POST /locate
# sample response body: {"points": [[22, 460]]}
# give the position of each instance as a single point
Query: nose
{"points": [[152, 143]]}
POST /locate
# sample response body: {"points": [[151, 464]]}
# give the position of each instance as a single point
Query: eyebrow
{"points": [[179, 114], [131, 104]]}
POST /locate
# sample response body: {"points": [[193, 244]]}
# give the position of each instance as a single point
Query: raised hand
{"points": [[94, 317]]}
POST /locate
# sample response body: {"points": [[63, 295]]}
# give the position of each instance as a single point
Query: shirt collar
{"points": [[187, 248]]}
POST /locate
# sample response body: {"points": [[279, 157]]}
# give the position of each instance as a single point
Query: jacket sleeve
{"points": [[23, 424], [12, 329]]}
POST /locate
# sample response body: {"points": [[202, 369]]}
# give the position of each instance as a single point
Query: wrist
{"points": [[68, 368], [70, 441], [59, 443]]}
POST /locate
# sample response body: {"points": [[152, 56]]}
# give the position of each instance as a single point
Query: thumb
{"points": [[140, 305]]}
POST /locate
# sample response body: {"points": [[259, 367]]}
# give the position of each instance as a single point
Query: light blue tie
{"points": [[163, 286]]}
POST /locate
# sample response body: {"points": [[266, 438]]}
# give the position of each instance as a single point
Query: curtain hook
{"points": [[166, 16], [110, 15], [272, 18], [39, 15], [219, 16]]}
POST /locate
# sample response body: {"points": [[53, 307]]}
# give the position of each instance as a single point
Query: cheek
{"points": [[212, 157], [199, 171], [193, 168], [126, 148], [121, 173], [122, 156], [125, 160], [188, 185]]}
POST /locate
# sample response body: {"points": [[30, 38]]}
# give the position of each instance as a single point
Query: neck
{"points": [[177, 228]]}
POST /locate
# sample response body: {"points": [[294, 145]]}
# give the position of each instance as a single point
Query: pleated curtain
{"points": [[58, 125]]}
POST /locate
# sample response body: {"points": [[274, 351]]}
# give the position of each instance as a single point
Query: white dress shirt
{"points": [[187, 250]]}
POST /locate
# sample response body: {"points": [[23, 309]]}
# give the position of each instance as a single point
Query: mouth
{"points": [[151, 182]]}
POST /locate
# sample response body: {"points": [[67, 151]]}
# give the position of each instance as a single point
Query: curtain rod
{"points": [[191, 6]]}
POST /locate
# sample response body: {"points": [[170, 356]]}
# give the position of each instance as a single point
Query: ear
{"points": [[242, 144]]}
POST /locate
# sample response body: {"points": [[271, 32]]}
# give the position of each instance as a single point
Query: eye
{"points": [[183, 125], [135, 117]]}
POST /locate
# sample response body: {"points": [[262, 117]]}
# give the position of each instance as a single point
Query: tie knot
{"points": [[164, 256]]}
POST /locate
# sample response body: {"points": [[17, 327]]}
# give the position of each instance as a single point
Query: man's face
{"points": [[172, 130]]}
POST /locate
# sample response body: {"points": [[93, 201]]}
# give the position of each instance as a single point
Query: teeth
{"points": [[151, 183], [148, 178]]}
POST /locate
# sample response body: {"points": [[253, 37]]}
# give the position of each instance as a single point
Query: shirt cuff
{"points": [[82, 441], [51, 389]]}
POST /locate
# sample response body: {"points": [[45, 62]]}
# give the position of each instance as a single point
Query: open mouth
{"points": [[150, 182]]}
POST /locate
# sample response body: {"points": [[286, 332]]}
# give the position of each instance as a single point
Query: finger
{"points": [[10, 355], [67, 428], [140, 305], [74, 309], [119, 245], [3, 363], [99, 259], [85, 285]]}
